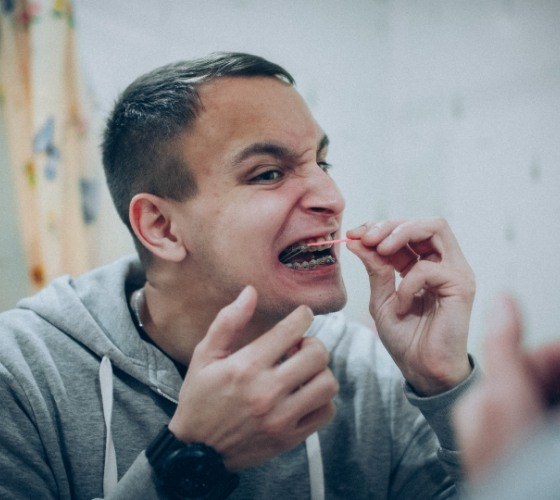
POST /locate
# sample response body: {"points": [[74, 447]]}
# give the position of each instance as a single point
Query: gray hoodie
{"points": [[82, 395]]}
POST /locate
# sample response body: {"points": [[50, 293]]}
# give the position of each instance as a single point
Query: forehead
{"points": [[238, 111], [251, 96]]}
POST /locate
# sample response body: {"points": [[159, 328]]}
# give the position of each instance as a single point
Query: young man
{"points": [[223, 335]]}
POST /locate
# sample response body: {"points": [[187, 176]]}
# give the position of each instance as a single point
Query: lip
{"points": [[311, 268]]}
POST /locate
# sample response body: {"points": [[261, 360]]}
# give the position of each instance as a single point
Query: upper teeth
{"points": [[302, 246], [320, 248]]}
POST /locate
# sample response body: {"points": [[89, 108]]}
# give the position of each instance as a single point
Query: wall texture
{"points": [[434, 108]]}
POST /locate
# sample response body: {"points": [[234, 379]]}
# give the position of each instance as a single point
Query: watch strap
{"points": [[162, 444], [218, 482]]}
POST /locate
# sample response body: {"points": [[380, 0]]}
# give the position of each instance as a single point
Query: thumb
{"points": [[380, 271], [502, 346], [226, 329]]}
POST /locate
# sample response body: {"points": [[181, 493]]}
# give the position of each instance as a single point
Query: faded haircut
{"points": [[140, 150]]}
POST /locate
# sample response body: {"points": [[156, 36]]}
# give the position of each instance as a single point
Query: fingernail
{"points": [[244, 295], [358, 231], [308, 310]]}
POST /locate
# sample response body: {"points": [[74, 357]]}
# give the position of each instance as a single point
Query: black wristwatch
{"points": [[189, 470]]}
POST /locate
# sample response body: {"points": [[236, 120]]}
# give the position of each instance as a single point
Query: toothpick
{"points": [[328, 242]]}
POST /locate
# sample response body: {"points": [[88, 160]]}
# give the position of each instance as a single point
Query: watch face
{"points": [[192, 472]]}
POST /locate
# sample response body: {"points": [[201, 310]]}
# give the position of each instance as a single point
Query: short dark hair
{"points": [[139, 142]]}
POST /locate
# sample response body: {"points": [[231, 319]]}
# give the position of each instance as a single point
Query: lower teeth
{"points": [[312, 263]]}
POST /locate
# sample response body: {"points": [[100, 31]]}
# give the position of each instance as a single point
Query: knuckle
{"points": [[330, 384], [275, 427], [319, 350], [330, 411], [199, 349], [440, 223], [261, 404], [371, 224], [242, 374], [334, 386], [404, 225]]}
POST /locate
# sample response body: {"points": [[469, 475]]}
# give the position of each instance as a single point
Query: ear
{"points": [[151, 218]]}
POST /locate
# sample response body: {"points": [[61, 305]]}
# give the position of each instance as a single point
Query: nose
{"points": [[322, 195]]}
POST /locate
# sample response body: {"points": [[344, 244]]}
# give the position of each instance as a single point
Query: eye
{"points": [[324, 166], [267, 177]]}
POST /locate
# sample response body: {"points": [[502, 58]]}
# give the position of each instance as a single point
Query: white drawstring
{"points": [[110, 469], [315, 461], [110, 478]]}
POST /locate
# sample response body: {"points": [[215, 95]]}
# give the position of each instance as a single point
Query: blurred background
{"points": [[433, 108]]}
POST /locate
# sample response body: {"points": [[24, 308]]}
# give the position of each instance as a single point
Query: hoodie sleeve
{"points": [[31, 464], [398, 444], [437, 410], [24, 463]]}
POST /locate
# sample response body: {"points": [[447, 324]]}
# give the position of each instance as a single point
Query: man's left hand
{"points": [[423, 322]]}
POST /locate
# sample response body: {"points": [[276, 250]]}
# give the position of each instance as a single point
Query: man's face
{"points": [[259, 159]]}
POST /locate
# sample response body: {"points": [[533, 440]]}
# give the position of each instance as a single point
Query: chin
{"points": [[325, 308], [324, 303]]}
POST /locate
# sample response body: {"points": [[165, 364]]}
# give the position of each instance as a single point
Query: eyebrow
{"points": [[323, 143], [273, 149]]}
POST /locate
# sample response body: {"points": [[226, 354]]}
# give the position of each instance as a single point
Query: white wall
{"points": [[433, 108]]}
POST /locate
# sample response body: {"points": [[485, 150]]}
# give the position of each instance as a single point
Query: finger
{"points": [[272, 346], [317, 419], [502, 345], [364, 239], [432, 237], [228, 325], [380, 271], [307, 362], [371, 233], [403, 260], [472, 417], [425, 251], [547, 357], [545, 365], [424, 275], [318, 392], [442, 279]]}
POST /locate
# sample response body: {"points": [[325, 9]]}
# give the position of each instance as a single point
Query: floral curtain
{"points": [[55, 166]]}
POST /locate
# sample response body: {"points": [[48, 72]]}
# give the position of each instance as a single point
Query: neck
{"points": [[176, 321]]}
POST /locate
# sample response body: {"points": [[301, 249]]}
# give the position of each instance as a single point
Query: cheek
{"points": [[247, 221], [257, 215]]}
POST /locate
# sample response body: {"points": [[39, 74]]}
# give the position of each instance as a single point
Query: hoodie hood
{"points": [[93, 310]]}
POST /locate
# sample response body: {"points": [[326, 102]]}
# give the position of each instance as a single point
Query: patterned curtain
{"points": [[51, 145]]}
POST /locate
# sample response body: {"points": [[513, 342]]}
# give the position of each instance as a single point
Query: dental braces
{"points": [[294, 252]]}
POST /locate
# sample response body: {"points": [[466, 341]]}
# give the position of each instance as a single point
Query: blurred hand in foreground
{"points": [[518, 390]]}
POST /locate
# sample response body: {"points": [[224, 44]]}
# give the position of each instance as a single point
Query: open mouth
{"points": [[302, 257]]}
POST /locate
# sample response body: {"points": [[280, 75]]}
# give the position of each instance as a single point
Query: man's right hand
{"points": [[265, 398]]}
